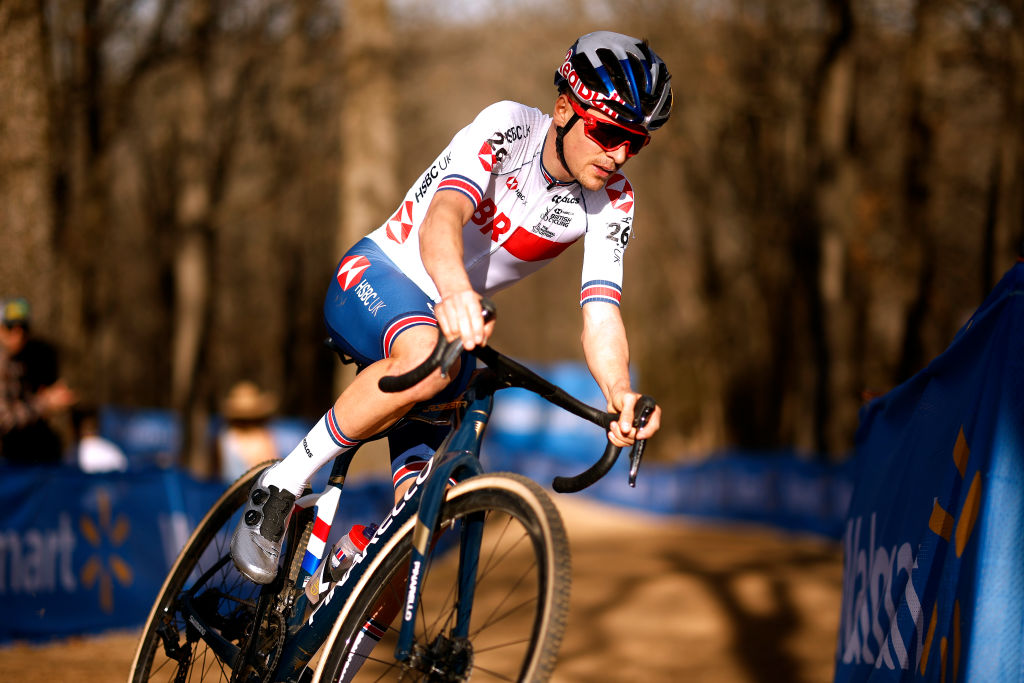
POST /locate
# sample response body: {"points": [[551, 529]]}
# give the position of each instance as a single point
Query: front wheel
{"points": [[203, 584], [520, 597]]}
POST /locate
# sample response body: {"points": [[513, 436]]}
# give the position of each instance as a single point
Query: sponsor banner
{"points": [[85, 553], [783, 490], [151, 437], [934, 539], [786, 490]]}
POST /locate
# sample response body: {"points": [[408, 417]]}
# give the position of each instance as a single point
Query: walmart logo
{"points": [[883, 621], [954, 523], [106, 535]]}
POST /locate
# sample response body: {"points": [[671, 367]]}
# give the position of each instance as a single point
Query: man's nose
{"points": [[619, 154]]}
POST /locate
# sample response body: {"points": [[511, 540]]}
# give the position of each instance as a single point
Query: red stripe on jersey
{"points": [[526, 246], [456, 183], [609, 292]]}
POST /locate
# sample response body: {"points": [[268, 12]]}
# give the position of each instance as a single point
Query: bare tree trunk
{"points": [[200, 176], [369, 138], [26, 199], [1013, 137], [833, 171], [918, 160]]}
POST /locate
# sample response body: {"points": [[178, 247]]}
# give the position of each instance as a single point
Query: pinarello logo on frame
{"points": [[350, 272]]}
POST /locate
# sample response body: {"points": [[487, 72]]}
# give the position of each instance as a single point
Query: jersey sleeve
{"points": [[609, 225], [479, 151]]}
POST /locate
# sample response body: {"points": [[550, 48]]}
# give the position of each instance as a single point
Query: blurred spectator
{"points": [[30, 390], [245, 440], [93, 453]]}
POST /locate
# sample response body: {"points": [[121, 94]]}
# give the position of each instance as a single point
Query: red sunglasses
{"points": [[609, 135]]}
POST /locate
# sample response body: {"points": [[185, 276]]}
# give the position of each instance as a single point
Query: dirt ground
{"points": [[653, 599]]}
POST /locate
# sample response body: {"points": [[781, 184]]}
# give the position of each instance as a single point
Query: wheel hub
{"points": [[445, 660]]}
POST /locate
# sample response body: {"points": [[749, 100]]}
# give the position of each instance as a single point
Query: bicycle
{"points": [[441, 614]]}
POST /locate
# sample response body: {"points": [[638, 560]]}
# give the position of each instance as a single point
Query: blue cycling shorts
{"points": [[369, 303]]}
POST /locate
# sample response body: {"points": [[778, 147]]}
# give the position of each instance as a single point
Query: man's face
{"points": [[588, 162], [13, 337]]}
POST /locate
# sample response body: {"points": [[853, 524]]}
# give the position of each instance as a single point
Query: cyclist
{"points": [[511, 191]]}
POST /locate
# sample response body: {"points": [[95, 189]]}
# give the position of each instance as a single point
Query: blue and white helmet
{"points": [[620, 76]]}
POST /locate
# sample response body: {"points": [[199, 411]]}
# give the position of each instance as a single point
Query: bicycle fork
{"points": [[459, 461]]}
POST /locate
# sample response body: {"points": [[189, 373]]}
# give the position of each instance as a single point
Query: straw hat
{"points": [[245, 401]]}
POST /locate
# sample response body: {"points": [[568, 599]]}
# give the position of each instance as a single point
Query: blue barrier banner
{"points": [[786, 490], [148, 436], [84, 553], [934, 540]]}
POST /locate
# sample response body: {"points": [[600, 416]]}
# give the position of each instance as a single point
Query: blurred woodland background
{"points": [[841, 183]]}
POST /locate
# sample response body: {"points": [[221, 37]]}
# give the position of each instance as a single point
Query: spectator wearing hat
{"points": [[245, 440], [30, 390]]}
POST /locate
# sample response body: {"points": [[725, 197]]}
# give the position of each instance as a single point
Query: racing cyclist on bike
{"points": [[511, 191]]}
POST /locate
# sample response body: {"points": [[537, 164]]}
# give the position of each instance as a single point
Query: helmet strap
{"points": [[560, 132]]}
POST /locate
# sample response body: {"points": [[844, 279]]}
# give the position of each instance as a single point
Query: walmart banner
{"points": [[934, 540], [85, 553]]}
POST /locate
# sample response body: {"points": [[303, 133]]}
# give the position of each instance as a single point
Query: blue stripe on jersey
{"points": [[462, 184], [600, 290]]}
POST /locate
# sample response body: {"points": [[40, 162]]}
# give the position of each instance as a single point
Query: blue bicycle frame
{"points": [[457, 458]]}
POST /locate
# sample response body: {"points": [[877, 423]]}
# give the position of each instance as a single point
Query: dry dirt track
{"points": [[674, 601]]}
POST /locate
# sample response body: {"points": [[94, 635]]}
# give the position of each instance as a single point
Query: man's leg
{"points": [[361, 411]]}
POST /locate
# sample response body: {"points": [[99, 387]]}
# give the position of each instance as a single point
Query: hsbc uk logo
{"points": [[371, 300], [512, 183], [350, 272], [486, 156], [620, 192], [400, 224]]}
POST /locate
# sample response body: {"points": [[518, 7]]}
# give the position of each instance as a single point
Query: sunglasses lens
{"points": [[611, 137]]}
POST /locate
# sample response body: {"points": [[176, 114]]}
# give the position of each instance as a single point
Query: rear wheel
{"points": [[519, 606], [205, 583]]}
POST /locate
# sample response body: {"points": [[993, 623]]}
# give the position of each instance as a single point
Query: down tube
{"points": [[307, 639]]}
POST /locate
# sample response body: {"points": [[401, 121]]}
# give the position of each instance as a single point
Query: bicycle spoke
{"points": [[512, 596]]}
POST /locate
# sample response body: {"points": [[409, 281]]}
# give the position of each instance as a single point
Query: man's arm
{"points": [[607, 352], [458, 313], [17, 412]]}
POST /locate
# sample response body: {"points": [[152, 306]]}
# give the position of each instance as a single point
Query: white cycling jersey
{"points": [[522, 217]]}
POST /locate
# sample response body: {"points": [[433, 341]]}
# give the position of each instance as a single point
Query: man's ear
{"points": [[562, 110]]}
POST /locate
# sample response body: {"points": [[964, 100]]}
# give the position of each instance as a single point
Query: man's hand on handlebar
{"points": [[460, 316], [622, 432]]}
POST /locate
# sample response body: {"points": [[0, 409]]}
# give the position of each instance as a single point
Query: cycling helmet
{"points": [[620, 76]]}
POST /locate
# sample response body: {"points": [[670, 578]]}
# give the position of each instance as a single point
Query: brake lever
{"points": [[646, 406]]}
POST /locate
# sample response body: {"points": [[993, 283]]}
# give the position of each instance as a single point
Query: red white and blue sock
{"points": [[324, 442]]}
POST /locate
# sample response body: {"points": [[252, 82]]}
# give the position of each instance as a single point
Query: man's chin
{"points": [[593, 182]]}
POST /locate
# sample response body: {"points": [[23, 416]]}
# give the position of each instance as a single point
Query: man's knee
{"points": [[410, 350]]}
